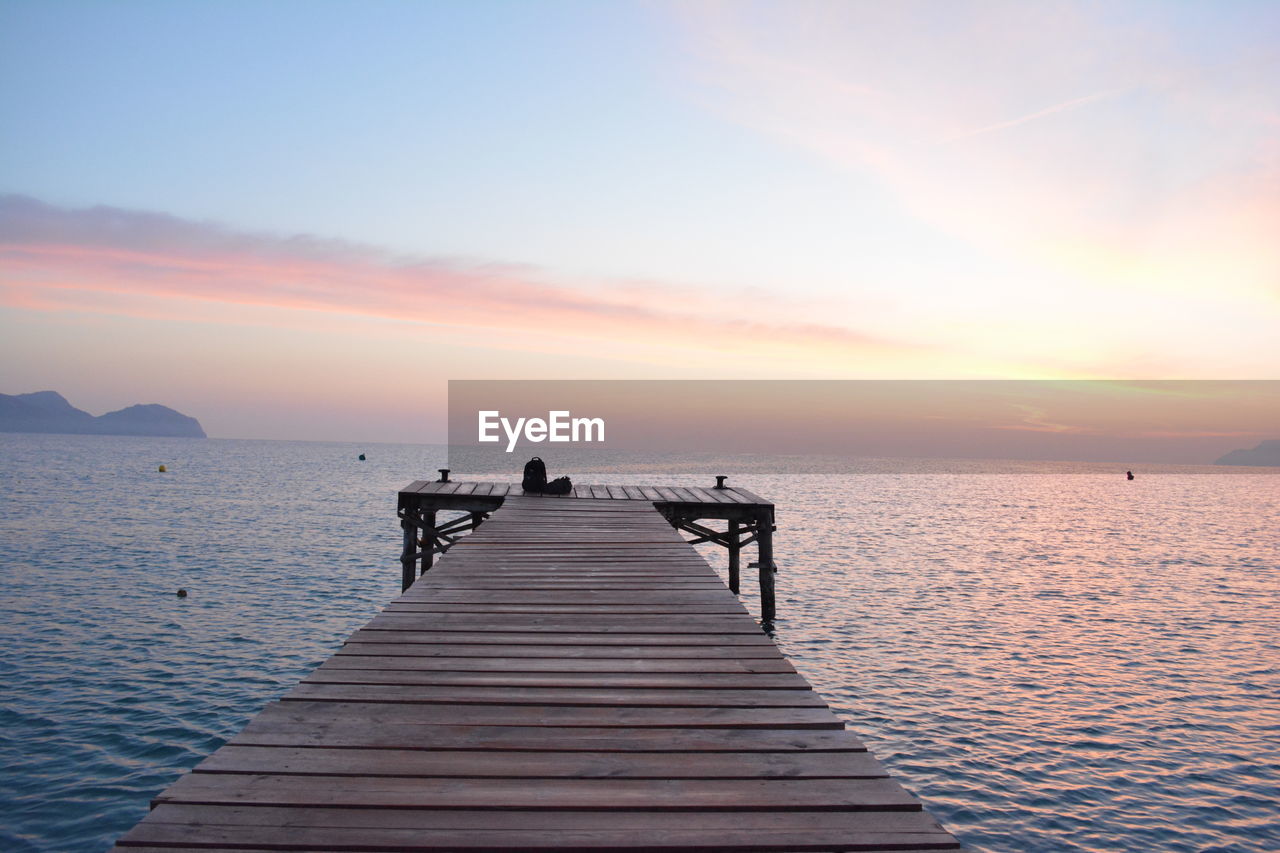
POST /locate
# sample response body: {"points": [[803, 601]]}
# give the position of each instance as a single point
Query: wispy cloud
{"points": [[1104, 167], [1038, 114], [1163, 143], [57, 258]]}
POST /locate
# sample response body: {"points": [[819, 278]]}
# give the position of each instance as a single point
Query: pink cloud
{"points": [[53, 258]]}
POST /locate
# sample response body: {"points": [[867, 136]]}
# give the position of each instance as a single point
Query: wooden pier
{"points": [[749, 519], [572, 675]]}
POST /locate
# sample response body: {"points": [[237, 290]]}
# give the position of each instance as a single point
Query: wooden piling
{"points": [[764, 537], [735, 556], [408, 556]]}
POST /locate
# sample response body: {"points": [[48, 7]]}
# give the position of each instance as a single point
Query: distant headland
{"points": [[1266, 453], [49, 411]]}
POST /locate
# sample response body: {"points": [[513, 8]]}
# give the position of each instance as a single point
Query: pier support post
{"points": [[764, 542], [735, 549], [409, 555], [428, 542]]}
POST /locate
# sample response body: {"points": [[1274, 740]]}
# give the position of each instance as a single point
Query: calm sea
{"points": [[1053, 658]]}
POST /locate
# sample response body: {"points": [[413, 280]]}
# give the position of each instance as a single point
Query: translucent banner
{"points": [[495, 426]]}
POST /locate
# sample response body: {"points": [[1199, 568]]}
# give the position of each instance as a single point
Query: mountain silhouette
{"points": [[49, 412], [1266, 453]]}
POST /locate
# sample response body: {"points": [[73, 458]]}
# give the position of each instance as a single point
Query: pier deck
{"points": [[570, 676]]}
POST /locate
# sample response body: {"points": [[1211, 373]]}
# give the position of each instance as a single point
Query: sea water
{"points": [[1053, 658]]}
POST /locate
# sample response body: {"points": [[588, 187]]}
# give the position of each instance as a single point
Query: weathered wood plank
{"points": [[887, 821], [441, 645], [569, 623], [636, 830], [664, 681], [552, 696], [530, 666], [598, 639], [273, 789], [278, 730], [521, 764], [324, 712], [421, 592], [677, 609]]}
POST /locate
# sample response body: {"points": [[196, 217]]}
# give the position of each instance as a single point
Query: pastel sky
{"points": [[299, 219]]}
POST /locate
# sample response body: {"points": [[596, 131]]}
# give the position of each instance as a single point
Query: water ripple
{"points": [[1053, 663]]}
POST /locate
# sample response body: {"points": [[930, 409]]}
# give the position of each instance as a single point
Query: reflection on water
{"points": [[1054, 659]]}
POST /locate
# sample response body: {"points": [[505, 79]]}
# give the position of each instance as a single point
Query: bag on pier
{"points": [[558, 486], [535, 475]]}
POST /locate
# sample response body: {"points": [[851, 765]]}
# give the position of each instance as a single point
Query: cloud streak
{"points": [[57, 258], [1153, 196], [1072, 104], [1172, 142]]}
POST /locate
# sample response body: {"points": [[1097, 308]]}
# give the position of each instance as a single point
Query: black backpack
{"points": [[558, 486], [535, 475]]}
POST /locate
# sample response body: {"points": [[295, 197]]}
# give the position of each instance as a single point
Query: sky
{"points": [[298, 220]]}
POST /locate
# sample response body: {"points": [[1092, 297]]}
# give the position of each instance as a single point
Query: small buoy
{"points": [[361, 457], [163, 469], [182, 593]]}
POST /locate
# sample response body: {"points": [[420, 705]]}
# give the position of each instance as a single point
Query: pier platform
{"points": [[571, 675]]}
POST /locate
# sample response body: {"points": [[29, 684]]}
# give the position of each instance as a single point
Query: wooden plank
{"points": [[665, 681], [273, 789], [640, 600], [701, 494], [586, 575], [717, 495], [324, 712], [434, 829], [565, 623], [426, 819], [419, 593], [436, 645], [773, 839], [530, 666], [667, 608], [498, 764], [651, 584], [753, 498], [474, 560], [548, 639], [549, 697], [277, 730]]}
